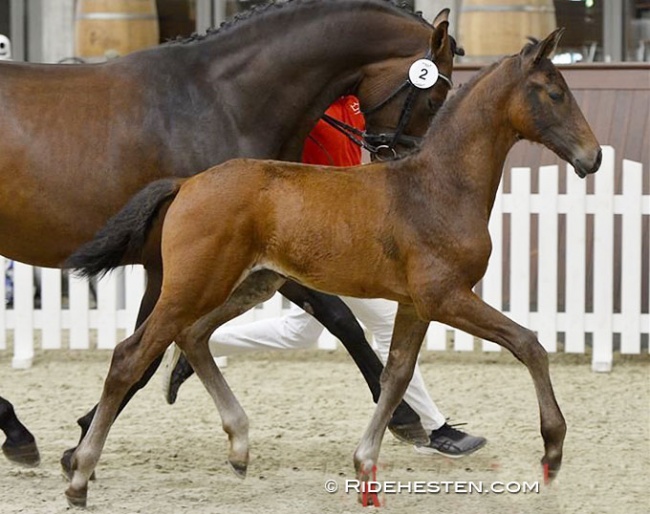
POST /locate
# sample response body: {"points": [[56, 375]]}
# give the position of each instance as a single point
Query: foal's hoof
{"points": [[66, 464], [550, 472], [23, 454], [239, 468], [76, 498]]}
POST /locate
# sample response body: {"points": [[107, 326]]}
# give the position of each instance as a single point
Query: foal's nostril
{"points": [[599, 159]]}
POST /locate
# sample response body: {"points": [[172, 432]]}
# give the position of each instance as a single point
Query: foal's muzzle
{"points": [[587, 166]]}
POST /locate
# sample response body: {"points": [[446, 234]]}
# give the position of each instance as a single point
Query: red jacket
{"points": [[326, 145]]}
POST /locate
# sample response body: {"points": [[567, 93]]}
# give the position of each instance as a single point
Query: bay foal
{"points": [[414, 231]]}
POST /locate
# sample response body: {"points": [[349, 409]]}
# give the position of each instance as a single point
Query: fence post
{"points": [[576, 240], [520, 246], [493, 280], [547, 257], [604, 264], [23, 316], [631, 257]]}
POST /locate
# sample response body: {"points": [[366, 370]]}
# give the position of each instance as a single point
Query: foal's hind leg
{"points": [[130, 360], [466, 311], [151, 295], [408, 334], [257, 288]]}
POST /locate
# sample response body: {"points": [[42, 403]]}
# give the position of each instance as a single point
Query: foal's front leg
{"points": [[408, 334], [466, 311]]}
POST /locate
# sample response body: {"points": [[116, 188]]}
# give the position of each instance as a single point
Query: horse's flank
{"points": [[78, 141]]}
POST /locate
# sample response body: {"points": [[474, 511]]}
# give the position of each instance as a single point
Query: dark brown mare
{"points": [[414, 231], [78, 141]]}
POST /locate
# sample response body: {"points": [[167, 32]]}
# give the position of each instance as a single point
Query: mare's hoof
{"points": [[75, 498], [66, 464], [238, 468], [410, 433], [23, 454]]}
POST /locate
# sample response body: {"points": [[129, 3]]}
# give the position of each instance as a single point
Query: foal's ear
{"points": [[545, 48], [442, 16]]}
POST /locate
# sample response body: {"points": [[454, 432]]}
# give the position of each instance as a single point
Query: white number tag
{"points": [[423, 73]]}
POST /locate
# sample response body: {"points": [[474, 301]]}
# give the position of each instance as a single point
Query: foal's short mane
{"points": [[260, 10], [450, 105]]}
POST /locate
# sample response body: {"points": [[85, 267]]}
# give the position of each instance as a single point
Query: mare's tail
{"points": [[123, 237]]}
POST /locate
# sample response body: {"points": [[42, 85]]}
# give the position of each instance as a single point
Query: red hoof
{"points": [[369, 496]]}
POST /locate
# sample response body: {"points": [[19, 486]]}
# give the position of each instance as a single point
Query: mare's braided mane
{"points": [[259, 10]]}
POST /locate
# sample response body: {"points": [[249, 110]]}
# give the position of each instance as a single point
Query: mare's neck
{"points": [[293, 62], [469, 140]]}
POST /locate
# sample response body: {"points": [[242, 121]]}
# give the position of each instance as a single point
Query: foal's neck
{"points": [[470, 138]]}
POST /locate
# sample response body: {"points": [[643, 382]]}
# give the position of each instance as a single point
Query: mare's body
{"points": [[78, 141], [414, 231]]}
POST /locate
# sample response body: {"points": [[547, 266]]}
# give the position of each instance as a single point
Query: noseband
{"points": [[382, 145]]}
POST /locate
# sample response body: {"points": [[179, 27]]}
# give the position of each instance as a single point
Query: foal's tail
{"points": [[123, 237]]}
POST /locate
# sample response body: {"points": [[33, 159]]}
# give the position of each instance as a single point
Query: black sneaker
{"points": [[450, 442]]}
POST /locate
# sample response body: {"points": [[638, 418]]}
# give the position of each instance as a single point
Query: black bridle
{"points": [[382, 145]]}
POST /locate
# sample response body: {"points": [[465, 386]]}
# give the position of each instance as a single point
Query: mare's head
{"points": [[543, 110], [398, 112]]}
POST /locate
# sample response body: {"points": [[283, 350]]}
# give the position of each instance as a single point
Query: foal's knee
{"points": [[400, 371], [529, 350]]}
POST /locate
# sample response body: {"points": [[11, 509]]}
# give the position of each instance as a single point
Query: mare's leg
{"points": [[20, 446], [152, 292], [408, 334], [466, 311], [339, 320]]}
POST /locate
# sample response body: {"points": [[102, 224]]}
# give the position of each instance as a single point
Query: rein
{"points": [[378, 144]]}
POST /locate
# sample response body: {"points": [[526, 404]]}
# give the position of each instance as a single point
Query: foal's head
{"points": [[543, 110], [385, 90]]}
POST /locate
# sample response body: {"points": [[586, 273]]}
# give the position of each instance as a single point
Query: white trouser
{"points": [[297, 329]]}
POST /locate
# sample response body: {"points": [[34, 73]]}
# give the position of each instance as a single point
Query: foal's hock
{"points": [[414, 231]]}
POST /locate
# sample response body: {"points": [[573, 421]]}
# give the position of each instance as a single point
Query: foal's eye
{"points": [[556, 96]]}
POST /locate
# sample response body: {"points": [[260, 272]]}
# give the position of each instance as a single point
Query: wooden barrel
{"points": [[114, 27], [489, 29]]}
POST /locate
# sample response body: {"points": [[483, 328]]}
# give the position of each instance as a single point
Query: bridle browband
{"points": [[379, 144]]}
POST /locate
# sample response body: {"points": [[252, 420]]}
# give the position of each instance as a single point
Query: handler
{"points": [[297, 329]]}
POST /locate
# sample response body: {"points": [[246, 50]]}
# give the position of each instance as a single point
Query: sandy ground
{"points": [[307, 412]]}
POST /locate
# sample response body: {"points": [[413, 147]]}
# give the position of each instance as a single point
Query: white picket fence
{"points": [[80, 320]]}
